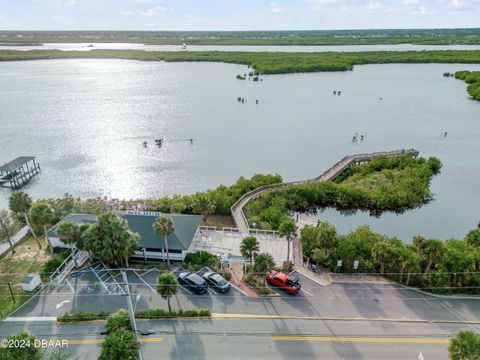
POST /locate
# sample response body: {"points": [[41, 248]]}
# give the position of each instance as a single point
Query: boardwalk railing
{"points": [[331, 173]]}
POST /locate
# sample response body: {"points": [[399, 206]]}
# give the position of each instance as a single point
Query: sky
{"points": [[236, 14]]}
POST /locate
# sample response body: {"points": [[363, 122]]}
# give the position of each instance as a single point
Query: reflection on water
{"points": [[86, 121]]}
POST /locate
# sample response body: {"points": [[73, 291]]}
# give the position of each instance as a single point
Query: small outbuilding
{"points": [[31, 282]]}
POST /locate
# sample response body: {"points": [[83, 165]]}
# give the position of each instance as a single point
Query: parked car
{"points": [[192, 282], [216, 281], [283, 281]]}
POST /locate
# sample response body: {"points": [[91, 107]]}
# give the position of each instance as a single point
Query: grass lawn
{"points": [[27, 259], [219, 221]]}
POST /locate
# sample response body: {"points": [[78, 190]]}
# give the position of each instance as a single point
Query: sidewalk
{"points": [[237, 273], [5, 247]]}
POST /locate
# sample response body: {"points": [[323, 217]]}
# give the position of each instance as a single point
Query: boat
{"points": [[184, 46]]}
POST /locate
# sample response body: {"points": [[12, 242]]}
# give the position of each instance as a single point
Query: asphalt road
{"points": [[252, 338], [342, 321]]}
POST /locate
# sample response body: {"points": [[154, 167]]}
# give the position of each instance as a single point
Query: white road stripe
{"points": [[32, 318], [307, 292]]}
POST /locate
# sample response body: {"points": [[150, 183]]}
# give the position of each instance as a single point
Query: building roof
{"points": [[142, 223], [16, 163], [79, 219], [185, 228]]}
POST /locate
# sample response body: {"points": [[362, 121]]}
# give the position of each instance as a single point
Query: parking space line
{"points": [[211, 291], [307, 292], [154, 291], [185, 288], [236, 287]]}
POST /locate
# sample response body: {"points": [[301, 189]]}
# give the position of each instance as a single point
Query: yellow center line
{"points": [[361, 339]]}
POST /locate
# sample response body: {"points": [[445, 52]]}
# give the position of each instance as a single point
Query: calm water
{"points": [[86, 121], [336, 48]]}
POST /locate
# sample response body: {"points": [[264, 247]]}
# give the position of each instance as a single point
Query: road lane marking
{"points": [[361, 339], [31, 318]]}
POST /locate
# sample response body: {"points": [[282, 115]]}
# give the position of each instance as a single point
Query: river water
{"points": [[256, 48], [86, 120]]}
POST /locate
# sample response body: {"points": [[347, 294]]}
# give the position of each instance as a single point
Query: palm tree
{"points": [[7, 228], [163, 226], [249, 249], [465, 346], [42, 216], [202, 204], [263, 262], [167, 287], [20, 203], [287, 229], [69, 233]]}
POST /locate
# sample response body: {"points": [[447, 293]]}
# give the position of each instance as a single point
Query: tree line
{"points": [[451, 266], [472, 78], [264, 62]]}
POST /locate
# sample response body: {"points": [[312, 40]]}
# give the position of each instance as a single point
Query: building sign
{"points": [[143, 213]]}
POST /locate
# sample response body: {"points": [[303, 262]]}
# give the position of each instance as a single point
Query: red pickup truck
{"points": [[283, 281]]}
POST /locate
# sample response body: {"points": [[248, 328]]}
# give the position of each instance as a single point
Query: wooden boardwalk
{"points": [[330, 174]]}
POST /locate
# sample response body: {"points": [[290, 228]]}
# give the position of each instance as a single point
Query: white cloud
{"points": [[126, 12], [373, 5], [154, 11], [68, 3], [276, 8]]}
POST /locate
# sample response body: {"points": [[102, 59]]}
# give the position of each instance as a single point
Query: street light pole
{"points": [[131, 312], [11, 292]]}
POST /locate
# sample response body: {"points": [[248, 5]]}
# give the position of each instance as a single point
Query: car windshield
{"points": [[292, 281], [219, 280], [196, 279]]}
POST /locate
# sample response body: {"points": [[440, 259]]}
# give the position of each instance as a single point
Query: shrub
{"points": [[119, 344], [83, 316], [161, 313], [117, 321], [256, 284], [226, 275], [197, 260], [21, 353], [51, 265]]}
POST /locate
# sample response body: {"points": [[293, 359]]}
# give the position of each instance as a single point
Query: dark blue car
{"points": [[192, 282]]}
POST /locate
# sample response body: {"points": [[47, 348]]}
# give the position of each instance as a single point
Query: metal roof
{"points": [[185, 228], [16, 163], [142, 223]]}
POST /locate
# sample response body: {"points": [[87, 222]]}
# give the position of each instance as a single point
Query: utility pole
{"points": [[131, 312]]}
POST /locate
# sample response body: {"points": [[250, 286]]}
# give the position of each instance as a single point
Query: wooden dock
{"points": [[330, 174], [18, 172]]}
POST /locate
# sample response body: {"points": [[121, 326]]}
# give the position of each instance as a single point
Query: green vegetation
{"points": [[27, 259], [163, 226], [83, 316], [263, 263], [263, 62], [473, 79], [222, 197], [249, 249], [119, 341], [41, 216], [465, 346], [141, 314], [196, 260], [110, 240], [255, 283], [8, 229], [167, 287], [286, 37], [434, 265], [384, 184], [51, 265], [20, 204], [160, 313], [29, 351]]}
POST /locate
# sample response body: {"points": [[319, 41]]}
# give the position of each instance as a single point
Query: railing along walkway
{"points": [[331, 173]]}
